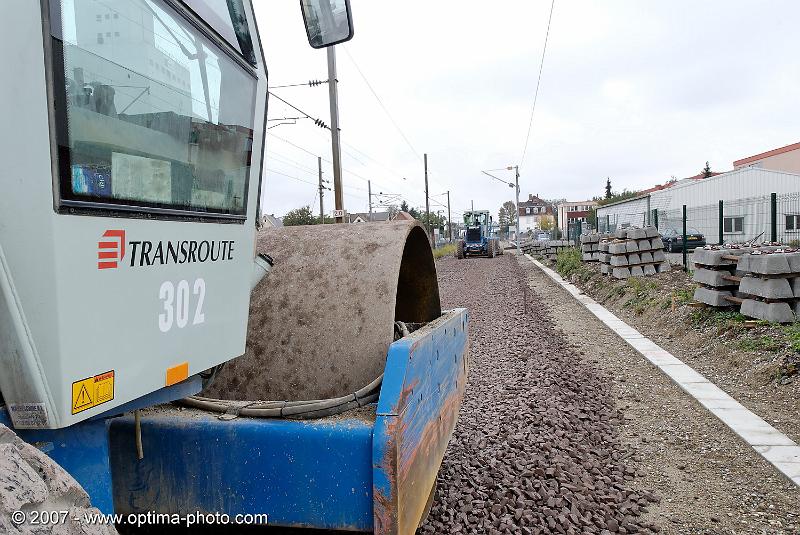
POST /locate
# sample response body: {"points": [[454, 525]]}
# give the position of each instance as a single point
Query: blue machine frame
{"points": [[355, 472]]}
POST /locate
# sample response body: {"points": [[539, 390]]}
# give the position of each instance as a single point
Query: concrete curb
{"points": [[781, 451]]}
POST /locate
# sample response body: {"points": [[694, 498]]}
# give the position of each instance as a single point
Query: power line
{"points": [[538, 82], [310, 83], [318, 122], [380, 102]]}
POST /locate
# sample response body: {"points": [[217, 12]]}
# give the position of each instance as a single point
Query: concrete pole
{"points": [[369, 193], [449, 221], [516, 172], [321, 192], [336, 145], [428, 226]]}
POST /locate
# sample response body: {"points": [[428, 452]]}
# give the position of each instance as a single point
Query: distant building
{"points": [[782, 159], [745, 193], [403, 216], [533, 212], [269, 220], [375, 217], [570, 213]]}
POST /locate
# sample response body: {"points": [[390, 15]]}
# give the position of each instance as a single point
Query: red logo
{"points": [[111, 250]]}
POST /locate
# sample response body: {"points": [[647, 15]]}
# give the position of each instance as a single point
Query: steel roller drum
{"points": [[322, 321]]}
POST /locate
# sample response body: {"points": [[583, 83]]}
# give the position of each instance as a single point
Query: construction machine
{"points": [[165, 353], [478, 239]]}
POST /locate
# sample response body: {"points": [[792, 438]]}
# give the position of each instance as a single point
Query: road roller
{"points": [[165, 359]]}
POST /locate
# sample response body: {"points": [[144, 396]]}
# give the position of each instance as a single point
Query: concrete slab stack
{"points": [[590, 246], [634, 252], [552, 248], [770, 287], [604, 256], [715, 271]]}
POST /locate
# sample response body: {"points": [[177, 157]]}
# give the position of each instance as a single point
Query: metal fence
{"points": [[767, 218]]}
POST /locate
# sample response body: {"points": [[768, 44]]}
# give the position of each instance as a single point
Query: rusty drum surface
{"points": [[322, 321]]}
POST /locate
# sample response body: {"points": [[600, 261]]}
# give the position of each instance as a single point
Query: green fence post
{"points": [[655, 217], [608, 223], [683, 242], [774, 218], [721, 222]]}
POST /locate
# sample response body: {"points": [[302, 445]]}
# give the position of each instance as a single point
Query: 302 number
{"points": [[175, 300]]}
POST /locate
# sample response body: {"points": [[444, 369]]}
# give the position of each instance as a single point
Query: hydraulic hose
{"points": [[301, 410]]}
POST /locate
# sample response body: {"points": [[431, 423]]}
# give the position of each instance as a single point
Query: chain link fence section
{"points": [[766, 218]]}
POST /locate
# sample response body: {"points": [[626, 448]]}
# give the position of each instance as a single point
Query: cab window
{"points": [[151, 115]]}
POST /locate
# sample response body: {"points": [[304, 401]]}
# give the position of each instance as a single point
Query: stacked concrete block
{"points": [[547, 248], [633, 252], [552, 248], [604, 256], [715, 271], [769, 288], [590, 246]]}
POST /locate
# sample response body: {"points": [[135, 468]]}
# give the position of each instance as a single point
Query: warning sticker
{"points": [[29, 415], [92, 391]]}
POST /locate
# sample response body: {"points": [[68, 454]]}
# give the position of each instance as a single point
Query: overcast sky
{"points": [[634, 90]]}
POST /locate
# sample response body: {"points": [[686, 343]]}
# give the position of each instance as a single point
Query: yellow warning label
{"points": [[93, 391]]}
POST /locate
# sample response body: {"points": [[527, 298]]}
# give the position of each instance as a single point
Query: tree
{"points": [[392, 209], [617, 197], [707, 170], [300, 216], [609, 194], [511, 212], [547, 224], [404, 206]]}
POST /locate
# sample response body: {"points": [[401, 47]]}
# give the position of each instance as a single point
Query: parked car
{"points": [[673, 239], [542, 236]]}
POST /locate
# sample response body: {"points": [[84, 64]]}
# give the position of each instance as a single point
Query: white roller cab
{"points": [[132, 150]]}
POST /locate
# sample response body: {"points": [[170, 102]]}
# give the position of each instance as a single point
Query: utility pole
{"points": [[427, 203], [333, 94], [516, 169], [473, 205], [321, 192], [449, 221], [516, 181], [369, 193]]}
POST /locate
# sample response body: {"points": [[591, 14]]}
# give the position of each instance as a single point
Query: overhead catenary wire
{"points": [[317, 121], [538, 83]]}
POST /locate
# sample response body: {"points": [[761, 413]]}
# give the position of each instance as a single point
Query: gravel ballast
{"points": [[537, 447]]}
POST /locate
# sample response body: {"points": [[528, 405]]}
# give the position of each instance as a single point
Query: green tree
{"points": [[300, 216], [707, 170], [609, 194], [617, 197], [511, 211]]}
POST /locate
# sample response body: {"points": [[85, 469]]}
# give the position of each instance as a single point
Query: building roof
{"points": [[271, 220], [533, 200], [365, 217], [403, 216], [773, 152]]}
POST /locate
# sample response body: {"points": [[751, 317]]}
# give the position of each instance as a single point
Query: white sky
{"points": [[632, 89]]}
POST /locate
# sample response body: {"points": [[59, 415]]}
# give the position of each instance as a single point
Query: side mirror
{"points": [[328, 22]]}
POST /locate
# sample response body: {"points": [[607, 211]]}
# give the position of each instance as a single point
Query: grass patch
{"points": [[792, 332], [643, 294], [684, 296], [444, 250], [569, 262], [760, 343]]}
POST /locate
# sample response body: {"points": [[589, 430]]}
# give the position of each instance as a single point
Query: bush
{"points": [[569, 262], [444, 250]]}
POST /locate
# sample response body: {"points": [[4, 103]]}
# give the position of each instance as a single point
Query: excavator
{"points": [[165, 359]]}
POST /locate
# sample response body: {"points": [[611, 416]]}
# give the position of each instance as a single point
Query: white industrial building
{"points": [[747, 208]]}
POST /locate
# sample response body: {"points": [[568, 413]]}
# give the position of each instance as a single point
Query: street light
{"points": [[515, 185]]}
